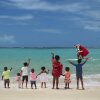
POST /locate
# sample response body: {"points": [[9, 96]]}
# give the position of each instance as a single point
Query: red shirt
{"points": [[85, 51], [57, 68]]}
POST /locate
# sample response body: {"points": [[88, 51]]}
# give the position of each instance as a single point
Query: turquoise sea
{"points": [[15, 57]]}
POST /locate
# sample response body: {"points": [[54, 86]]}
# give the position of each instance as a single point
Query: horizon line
{"points": [[48, 47]]}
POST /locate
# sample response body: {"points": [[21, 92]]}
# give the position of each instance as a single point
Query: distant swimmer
{"points": [[81, 51]]}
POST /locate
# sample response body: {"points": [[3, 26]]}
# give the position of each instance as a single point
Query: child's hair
{"points": [[5, 68], [67, 68], [32, 70], [79, 61], [18, 74], [25, 64], [57, 57], [43, 68]]}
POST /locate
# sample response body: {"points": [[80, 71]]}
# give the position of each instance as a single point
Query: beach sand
{"points": [[90, 93]]}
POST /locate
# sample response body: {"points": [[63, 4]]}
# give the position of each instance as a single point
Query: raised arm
{"points": [[39, 74], [10, 68], [85, 61], [29, 61], [71, 62], [52, 54], [47, 71]]}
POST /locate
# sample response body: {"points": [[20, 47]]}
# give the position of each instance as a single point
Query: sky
{"points": [[49, 23]]}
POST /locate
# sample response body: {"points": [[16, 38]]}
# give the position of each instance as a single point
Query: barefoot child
{"points": [[67, 77], [79, 71], [18, 79], [24, 72], [6, 76], [56, 70], [43, 76], [33, 78]]}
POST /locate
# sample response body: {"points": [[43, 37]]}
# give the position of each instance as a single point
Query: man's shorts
{"points": [[79, 77], [25, 78]]}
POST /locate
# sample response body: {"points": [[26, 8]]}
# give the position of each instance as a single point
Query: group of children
{"points": [[33, 76], [57, 68]]}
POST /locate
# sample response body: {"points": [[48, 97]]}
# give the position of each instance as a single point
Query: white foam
{"points": [[71, 59], [89, 80]]}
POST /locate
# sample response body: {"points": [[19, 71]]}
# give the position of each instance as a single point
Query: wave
{"points": [[89, 81], [71, 59], [90, 59]]}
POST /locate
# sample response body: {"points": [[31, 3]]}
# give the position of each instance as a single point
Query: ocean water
{"points": [[15, 57]]}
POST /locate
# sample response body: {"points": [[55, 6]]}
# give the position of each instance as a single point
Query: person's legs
{"points": [[65, 85], [5, 83], [57, 82], [22, 83], [23, 78], [45, 84], [53, 82], [26, 80], [35, 85], [81, 79], [19, 84], [41, 84], [79, 55], [26, 83], [77, 82], [8, 82], [68, 85], [31, 85]]}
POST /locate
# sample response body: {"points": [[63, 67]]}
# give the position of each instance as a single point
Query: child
{"points": [[81, 51], [43, 76], [18, 79], [67, 77], [33, 78], [6, 76], [79, 71], [56, 70], [24, 72]]}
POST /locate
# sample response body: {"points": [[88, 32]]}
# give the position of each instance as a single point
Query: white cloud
{"points": [[92, 25], [26, 17], [86, 11], [95, 14], [45, 6], [95, 28], [88, 19], [49, 31], [7, 39]]}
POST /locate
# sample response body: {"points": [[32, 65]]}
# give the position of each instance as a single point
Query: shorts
{"points": [[79, 77], [33, 82], [6, 81], [25, 78], [67, 81]]}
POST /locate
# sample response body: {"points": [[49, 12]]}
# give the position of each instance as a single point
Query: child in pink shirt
{"points": [[33, 78], [18, 79], [67, 77]]}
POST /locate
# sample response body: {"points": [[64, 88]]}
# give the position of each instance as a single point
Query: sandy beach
{"points": [[90, 93]]}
